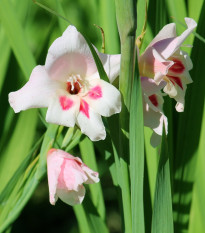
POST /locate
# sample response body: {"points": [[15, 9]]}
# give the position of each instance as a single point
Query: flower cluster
{"points": [[165, 66], [70, 87]]}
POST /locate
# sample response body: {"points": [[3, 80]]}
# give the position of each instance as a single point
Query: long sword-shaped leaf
{"points": [[88, 156], [162, 220], [197, 213], [16, 37], [137, 155]]}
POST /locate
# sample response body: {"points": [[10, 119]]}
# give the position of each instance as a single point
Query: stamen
{"points": [[74, 84]]}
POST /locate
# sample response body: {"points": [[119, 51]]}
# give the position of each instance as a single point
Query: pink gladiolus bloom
{"points": [[163, 60], [66, 175], [154, 117], [70, 87]]}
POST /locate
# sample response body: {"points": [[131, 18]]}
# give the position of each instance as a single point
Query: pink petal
{"points": [[93, 126], [63, 109], [70, 54], [54, 163], [104, 98], [152, 64], [36, 93], [71, 175]]}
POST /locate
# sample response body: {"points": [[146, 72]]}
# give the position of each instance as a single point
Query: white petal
{"points": [[104, 98], [63, 109], [170, 89], [70, 54], [111, 64], [169, 46], [36, 93], [168, 31], [150, 87], [92, 175], [53, 169], [72, 197], [153, 118], [179, 107], [91, 123], [188, 61]]}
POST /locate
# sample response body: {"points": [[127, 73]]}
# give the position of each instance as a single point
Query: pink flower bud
{"points": [[66, 175]]}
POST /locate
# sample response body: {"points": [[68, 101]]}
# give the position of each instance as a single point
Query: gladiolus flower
{"points": [[154, 117], [163, 60], [70, 86], [66, 175]]}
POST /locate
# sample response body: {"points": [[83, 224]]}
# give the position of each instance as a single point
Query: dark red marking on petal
{"points": [[176, 80], [84, 108], [95, 92], [153, 99], [65, 103], [177, 67], [75, 90]]}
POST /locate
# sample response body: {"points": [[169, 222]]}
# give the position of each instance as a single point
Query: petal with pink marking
{"points": [[153, 65], [70, 54], [169, 46], [36, 93], [104, 98], [63, 109], [92, 126], [72, 197], [54, 163]]}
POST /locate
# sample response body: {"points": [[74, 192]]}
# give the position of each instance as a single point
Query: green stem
{"points": [[126, 20], [88, 156]]}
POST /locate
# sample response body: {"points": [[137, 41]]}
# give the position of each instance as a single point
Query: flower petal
{"points": [[169, 46], [104, 98], [63, 109], [168, 31], [54, 163], [90, 123], [36, 93], [150, 87], [72, 197], [71, 175], [70, 54], [92, 175], [111, 64], [152, 64]]}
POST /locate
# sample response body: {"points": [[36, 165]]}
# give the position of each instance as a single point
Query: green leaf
{"points": [[187, 140], [88, 156], [137, 154], [81, 216], [162, 220], [96, 223], [16, 37]]}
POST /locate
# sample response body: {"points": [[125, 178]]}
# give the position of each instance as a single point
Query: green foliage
{"points": [[145, 188]]}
